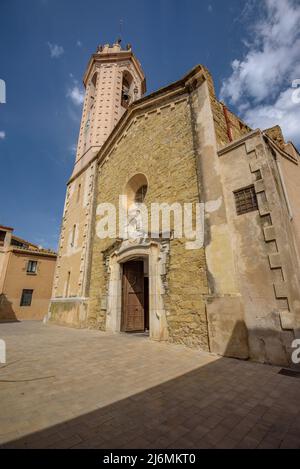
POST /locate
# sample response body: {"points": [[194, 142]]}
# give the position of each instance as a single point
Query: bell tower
{"points": [[113, 80]]}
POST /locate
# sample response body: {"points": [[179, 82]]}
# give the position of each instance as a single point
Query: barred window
{"points": [[26, 298], [245, 200]]}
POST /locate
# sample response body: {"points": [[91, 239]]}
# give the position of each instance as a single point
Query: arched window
{"points": [[141, 194], [127, 85], [136, 189], [73, 236], [93, 83], [90, 106], [92, 91]]}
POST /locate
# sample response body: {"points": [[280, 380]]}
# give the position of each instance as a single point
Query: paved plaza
{"points": [[68, 388]]}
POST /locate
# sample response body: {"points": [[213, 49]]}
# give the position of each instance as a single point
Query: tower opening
{"points": [[127, 91]]}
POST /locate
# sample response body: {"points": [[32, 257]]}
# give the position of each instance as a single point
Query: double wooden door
{"points": [[133, 297]]}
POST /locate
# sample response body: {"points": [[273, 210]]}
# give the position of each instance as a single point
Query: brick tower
{"points": [[113, 80]]}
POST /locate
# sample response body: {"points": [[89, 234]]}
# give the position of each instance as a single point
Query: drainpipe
{"points": [[227, 120], [286, 196]]}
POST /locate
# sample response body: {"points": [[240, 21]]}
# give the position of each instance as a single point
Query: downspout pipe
{"points": [[228, 123], [286, 196]]}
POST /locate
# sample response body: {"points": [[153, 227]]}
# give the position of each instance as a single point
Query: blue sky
{"points": [[45, 46]]}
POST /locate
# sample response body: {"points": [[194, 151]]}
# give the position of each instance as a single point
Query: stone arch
{"points": [[90, 108], [156, 256], [127, 89], [92, 89]]}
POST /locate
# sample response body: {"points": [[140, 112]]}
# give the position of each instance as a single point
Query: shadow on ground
{"points": [[7, 313], [226, 403], [197, 410]]}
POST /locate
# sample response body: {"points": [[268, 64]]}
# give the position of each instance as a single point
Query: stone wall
{"points": [[72, 256], [228, 126], [225, 313], [159, 144], [275, 133], [264, 257], [68, 312], [17, 279]]}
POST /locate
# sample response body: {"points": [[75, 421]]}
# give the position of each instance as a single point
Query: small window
{"points": [[78, 192], [2, 237], [68, 284], [245, 200], [32, 267], [141, 194], [257, 175], [26, 298], [73, 235]]}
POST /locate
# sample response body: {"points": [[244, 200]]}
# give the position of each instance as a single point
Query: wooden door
{"points": [[133, 317]]}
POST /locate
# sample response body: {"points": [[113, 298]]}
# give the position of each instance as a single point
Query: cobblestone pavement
{"points": [[67, 388]]}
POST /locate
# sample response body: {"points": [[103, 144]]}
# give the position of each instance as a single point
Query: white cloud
{"points": [[2, 135], [76, 94], [55, 50], [210, 8], [283, 112], [79, 43], [260, 85], [73, 149]]}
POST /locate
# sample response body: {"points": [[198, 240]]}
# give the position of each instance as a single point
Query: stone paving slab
{"points": [[68, 388]]}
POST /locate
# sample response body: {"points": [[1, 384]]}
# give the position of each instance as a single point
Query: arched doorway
{"points": [[135, 296], [154, 257]]}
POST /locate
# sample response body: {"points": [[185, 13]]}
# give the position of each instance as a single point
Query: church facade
{"points": [[237, 292]]}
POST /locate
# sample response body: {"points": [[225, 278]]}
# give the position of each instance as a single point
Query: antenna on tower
{"points": [[119, 39]]}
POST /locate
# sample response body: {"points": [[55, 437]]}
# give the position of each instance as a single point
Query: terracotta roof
{"points": [[34, 252], [32, 248], [21, 240], [7, 228]]}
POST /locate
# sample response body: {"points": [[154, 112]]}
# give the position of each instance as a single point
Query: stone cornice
{"points": [[115, 57], [30, 252], [69, 299], [237, 143], [282, 152]]}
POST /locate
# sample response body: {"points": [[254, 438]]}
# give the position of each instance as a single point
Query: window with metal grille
{"points": [[245, 200], [26, 298], [32, 267]]}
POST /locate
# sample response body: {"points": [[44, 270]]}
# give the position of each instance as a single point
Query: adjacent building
{"points": [[238, 294], [26, 277]]}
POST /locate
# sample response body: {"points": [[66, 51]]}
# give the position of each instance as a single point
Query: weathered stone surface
{"points": [[190, 148], [69, 313], [161, 147], [103, 390], [228, 333]]}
